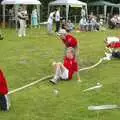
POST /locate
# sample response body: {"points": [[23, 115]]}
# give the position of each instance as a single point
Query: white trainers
{"points": [[54, 81], [108, 56]]}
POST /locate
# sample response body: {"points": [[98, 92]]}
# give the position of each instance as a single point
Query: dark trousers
{"points": [[57, 26], [3, 103], [116, 54]]}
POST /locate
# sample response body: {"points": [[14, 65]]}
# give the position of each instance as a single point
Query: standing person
{"points": [[83, 12], [57, 19], [83, 24], [66, 70], [34, 19], [50, 22], [22, 17], [4, 103], [11, 17]]}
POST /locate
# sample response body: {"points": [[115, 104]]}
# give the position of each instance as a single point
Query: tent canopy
{"points": [[101, 3], [18, 2], [25, 2], [68, 2], [118, 5]]}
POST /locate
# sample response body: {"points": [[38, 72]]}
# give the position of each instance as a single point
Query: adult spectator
{"points": [[22, 17], [83, 12], [83, 24], [70, 26], [57, 19], [50, 22], [34, 19]]}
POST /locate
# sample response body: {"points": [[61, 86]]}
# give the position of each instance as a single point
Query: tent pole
{"points": [[111, 11], [3, 16], [16, 11], [38, 11], [86, 11], [67, 12], [97, 10], [48, 9], [119, 10], [105, 12]]}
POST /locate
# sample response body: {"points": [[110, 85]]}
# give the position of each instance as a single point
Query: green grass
{"points": [[25, 60]]}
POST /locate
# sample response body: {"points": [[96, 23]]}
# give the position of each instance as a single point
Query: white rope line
{"points": [[28, 85], [93, 66], [50, 76]]}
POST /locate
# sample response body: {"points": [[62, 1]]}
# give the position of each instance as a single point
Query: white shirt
{"points": [[83, 13], [83, 21], [22, 15], [57, 16], [50, 19]]}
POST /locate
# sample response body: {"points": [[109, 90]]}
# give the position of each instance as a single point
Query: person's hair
{"points": [[71, 50]]}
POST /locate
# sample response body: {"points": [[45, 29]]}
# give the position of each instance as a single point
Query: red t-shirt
{"points": [[3, 84], [114, 45], [71, 65], [70, 41]]}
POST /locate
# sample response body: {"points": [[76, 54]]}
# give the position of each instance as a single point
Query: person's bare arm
{"points": [[78, 76]]}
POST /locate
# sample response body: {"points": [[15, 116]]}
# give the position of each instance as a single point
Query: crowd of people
{"points": [[114, 22], [90, 24]]}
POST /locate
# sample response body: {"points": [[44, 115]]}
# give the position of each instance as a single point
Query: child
{"points": [[4, 105], [113, 47], [69, 40], [68, 69], [112, 43]]}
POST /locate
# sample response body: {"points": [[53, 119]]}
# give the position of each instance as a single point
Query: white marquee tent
{"points": [[27, 2], [20, 2], [119, 7], [103, 3], [67, 3]]}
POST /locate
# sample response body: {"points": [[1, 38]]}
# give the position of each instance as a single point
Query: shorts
{"points": [[64, 74]]}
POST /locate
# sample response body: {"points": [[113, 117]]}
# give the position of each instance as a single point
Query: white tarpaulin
{"points": [[68, 3], [27, 2]]}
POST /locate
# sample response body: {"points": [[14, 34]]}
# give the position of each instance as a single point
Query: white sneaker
{"points": [[54, 81], [108, 56]]}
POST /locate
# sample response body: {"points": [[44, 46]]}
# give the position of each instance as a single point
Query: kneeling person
{"points": [[66, 70]]}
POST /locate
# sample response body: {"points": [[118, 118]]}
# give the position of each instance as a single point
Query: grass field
{"points": [[25, 60]]}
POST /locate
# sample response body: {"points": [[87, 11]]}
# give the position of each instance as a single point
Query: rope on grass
{"points": [[28, 85], [50, 76], [93, 66]]}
